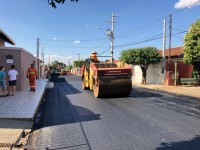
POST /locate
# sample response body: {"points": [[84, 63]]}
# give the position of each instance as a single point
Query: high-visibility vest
{"points": [[31, 72]]}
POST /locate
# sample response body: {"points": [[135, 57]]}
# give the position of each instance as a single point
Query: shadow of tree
{"points": [[58, 108], [193, 144]]}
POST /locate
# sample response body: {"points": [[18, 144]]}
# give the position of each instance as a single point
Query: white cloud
{"points": [[76, 42], [59, 58], [186, 3], [54, 38]]}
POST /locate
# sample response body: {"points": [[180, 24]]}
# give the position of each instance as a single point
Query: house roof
{"points": [[177, 51], [6, 38]]}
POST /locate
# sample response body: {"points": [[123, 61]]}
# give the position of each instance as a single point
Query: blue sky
{"points": [[72, 27]]}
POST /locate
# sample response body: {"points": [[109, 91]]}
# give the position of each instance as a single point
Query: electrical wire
{"points": [[135, 4], [147, 40], [185, 7], [159, 19]]}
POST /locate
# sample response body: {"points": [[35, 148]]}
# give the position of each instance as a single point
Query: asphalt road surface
{"points": [[146, 120]]}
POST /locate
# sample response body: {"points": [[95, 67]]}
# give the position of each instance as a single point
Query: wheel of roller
{"points": [[97, 91]]}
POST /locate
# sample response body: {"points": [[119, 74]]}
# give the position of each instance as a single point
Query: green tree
{"points": [[78, 63], [57, 66], [192, 47], [55, 62], [69, 67], [142, 57], [53, 3]]}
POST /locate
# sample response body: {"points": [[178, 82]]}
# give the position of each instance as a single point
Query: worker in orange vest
{"points": [[93, 57], [32, 75]]}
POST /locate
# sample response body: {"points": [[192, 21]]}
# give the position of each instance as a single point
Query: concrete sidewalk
{"points": [[17, 113], [192, 91]]}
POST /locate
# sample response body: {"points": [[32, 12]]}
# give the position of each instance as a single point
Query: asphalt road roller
{"points": [[106, 79]]}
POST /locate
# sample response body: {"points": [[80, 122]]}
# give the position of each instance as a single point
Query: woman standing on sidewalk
{"points": [[3, 81], [12, 80]]}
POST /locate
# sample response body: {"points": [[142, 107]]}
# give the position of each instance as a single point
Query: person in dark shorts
{"points": [[13, 74]]}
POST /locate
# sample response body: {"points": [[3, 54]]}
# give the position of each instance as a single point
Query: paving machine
{"points": [[106, 79]]}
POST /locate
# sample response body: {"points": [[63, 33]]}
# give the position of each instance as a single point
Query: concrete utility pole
{"points": [[170, 35], [110, 33], [78, 56], [42, 55], [112, 37], [164, 46], [49, 59], [38, 59], [37, 47]]}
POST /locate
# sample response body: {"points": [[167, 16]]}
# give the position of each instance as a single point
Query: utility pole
{"points": [[38, 59], [49, 59], [164, 46], [110, 33], [42, 55], [78, 56], [37, 47], [112, 36], [170, 35]]}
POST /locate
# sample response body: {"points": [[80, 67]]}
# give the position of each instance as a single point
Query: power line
{"points": [[140, 28], [135, 4], [140, 32], [65, 40], [147, 40], [185, 7], [104, 52], [60, 46], [159, 19]]}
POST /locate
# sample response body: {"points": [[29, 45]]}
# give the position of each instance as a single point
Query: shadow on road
{"points": [[63, 118], [58, 108], [193, 144]]}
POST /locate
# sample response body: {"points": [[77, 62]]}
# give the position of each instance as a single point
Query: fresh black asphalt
{"points": [[146, 120]]}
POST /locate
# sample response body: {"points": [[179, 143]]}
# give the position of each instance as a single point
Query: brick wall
{"points": [[183, 69]]}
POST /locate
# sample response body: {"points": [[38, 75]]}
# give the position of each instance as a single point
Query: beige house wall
{"points": [[22, 59], [16, 61], [154, 74], [26, 61], [137, 74]]}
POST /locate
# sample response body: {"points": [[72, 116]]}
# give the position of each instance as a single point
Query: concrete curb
{"points": [[170, 89], [41, 98]]}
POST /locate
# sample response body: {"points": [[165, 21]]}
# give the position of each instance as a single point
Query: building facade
{"points": [[155, 72], [19, 57]]}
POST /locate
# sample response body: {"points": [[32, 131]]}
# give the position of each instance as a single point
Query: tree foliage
{"points": [[192, 46], [57, 63], [54, 3], [78, 63], [56, 66], [69, 67], [142, 57]]}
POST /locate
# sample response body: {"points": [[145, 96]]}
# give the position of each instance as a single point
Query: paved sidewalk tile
{"points": [[24, 104]]}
